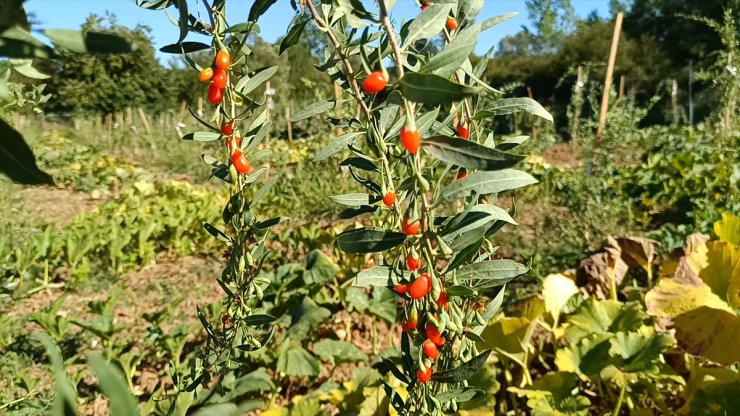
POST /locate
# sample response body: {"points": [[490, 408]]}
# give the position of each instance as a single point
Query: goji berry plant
{"points": [[432, 232], [239, 122]]}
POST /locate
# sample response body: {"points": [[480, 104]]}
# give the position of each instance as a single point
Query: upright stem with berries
{"points": [[440, 265]]}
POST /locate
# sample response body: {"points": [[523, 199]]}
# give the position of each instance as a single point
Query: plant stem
{"points": [[620, 399]]}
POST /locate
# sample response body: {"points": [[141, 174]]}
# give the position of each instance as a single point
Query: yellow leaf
{"points": [[711, 333], [722, 273], [670, 298], [557, 289], [728, 229]]}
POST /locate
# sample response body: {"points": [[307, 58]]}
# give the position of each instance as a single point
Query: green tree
{"points": [[97, 84], [552, 19]]}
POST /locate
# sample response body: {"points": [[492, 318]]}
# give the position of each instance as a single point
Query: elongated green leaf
{"points": [[369, 240], [184, 47], [355, 199], [182, 7], [512, 142], [460, 395], [203, 136], [467, 10], [249, 84], [259, 319], [243, 27], [259, 8], [468, 154], [216, 233], [360, 163], [336, 146], [270, 223], [23, 67], [491, 273], [378, 276], [155, 4], [454, 54], [65, 395], [487, 24], [16, 159], [464, 371], [89, 42], [293, 36], [483, 183], [357, 211], [18, 43], [429, 23], [514, 105], [338, 352], [432, 89], [314, 109], [122, 401]]}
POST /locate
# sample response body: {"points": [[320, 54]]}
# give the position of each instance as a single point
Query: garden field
{"points": [[398, 231]]}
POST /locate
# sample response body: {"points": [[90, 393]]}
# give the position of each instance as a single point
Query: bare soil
{"points": [[54, 205]]}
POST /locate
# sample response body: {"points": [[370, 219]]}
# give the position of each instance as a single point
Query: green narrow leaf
{"points": [[454, 54], [491, 273], [293, 36], [468, 154], [259, 319], [16, 159], [122, 402], [432, 89], [259, 8], [484, 183], [355, 199], [489, 23], [89, 42], [369, 240], [216, 233], [336, 146], [203, 136], [184, 47], [377, 276], [352, 212], [464, 371], [249, 84], [428, 23], [182, 7], [270, 223], [314, 109], [460, 395], [514, 105], [512, 142], [65, 395]]}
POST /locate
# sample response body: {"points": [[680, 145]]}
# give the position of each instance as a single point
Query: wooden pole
{"points": [[674, 102], [621, 86], [145, 121], [129, 116], [290, 125], [183, 105], [609, 75], [200, 106], [577, 111], [109, 123]]}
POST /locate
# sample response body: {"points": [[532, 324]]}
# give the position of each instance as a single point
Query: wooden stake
{"points": [[674, 102], [609, 75], [129, 116], [200, 106], [621, 86], [290, 125], [145, 121], [183, 106], [577, 111]]}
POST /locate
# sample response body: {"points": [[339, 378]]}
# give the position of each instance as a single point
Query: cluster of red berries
{"points": [[218, 77]]}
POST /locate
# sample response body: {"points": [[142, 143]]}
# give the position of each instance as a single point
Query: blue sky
{"points": [[71, 13]]}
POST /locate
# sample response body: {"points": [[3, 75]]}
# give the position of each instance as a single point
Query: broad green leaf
{"points": [[120, 398], [203, 136], [259, 7], [463, 371], [18, 43], [376, 276], [468, 154], [338, 352], [514, 105], [320, 269], [467, 10], [336, 146], [369, 240], [296, 362], [356, 300], [557, 290], [713, 334], [24, 67], [293, 36], [551, 395], [16, 159], [185, 47], [454, 54], [427, 24], [314, 109], [355, 199], [89, 42], [715, 399], [641, 350], [483, 183], [587, 357], [305, 317], [384, 304], [489, 23], [249, 84], [491, 273], [728, 229], [475, 222], [432, 89], [604, 316]]}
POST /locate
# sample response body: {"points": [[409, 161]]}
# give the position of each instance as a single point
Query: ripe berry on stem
{"points": [[451, 23], [227, 128], [433, 334], [442, 300], [238, 141], [462, 173], [215, 94], [223, 60], [220, 78], [462, 131], [410, 227], [420, 287], [205, 75], [430, 349], [410, 139], [424, 376], [413, 263], [240, 162], [401, 289], [375, 82], [389, 199]]}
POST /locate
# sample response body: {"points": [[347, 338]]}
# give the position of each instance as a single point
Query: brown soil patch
{"points": [[563, 156], [54, 205]]}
